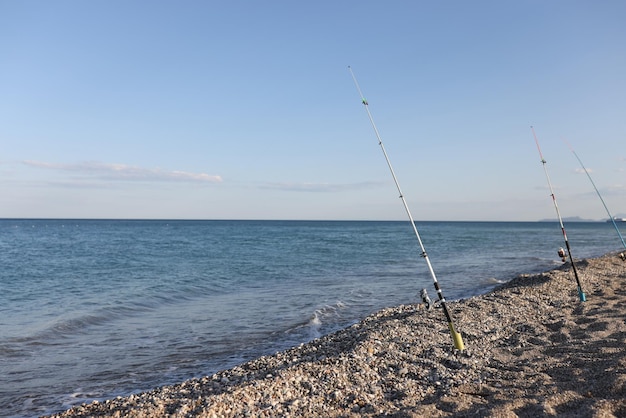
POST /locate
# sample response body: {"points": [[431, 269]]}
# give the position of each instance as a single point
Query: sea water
{"points": [[94, 309]]}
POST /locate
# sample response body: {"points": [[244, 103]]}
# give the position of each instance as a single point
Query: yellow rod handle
{"points": [[456, 337]]}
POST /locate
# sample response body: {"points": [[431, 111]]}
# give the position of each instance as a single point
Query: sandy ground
{"points": [[532, 349]]}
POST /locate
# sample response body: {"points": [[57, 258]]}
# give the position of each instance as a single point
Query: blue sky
{"points": [[247, 110]]}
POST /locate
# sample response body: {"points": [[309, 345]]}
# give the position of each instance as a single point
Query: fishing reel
{"points": [[426, 299], [561, 254]]}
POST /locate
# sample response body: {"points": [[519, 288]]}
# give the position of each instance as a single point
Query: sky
{"points": [[247, 110]]}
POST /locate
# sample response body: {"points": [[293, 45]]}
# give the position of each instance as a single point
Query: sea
{"points": [[95, 309]]}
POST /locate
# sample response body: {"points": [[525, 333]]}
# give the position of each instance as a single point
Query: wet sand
{"points": [[531, 349]]}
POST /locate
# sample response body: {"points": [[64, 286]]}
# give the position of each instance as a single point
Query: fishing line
{"points": [[456, 337], [581, 294], [598, 192]]}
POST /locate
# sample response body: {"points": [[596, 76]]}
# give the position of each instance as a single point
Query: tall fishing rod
{"points": [[581, 294], [598, 192], [456, 337]]}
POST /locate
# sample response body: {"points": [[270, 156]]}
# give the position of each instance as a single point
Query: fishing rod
{"points": [[581, 294], [599, 195], [456, 337]]}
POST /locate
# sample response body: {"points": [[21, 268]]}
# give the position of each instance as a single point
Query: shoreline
{"points": [[532, 349]]}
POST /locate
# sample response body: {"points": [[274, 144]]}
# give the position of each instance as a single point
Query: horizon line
{"points": [[571, 219]]}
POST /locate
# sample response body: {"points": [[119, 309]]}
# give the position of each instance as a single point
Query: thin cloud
{"points": [[616, 190], [582, 171], [123, 172], [318, 187]]}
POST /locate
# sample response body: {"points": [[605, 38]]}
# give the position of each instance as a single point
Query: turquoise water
{"points": [[93, 309]]}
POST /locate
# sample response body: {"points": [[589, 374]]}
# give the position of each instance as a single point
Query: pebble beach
{"points": [[532, 348]]}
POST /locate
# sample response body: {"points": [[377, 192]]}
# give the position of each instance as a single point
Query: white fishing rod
{"points": [[581, 294], [599, 195], [456, 337]]}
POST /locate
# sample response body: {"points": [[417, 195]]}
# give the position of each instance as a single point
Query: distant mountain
{"points": [[570, 219]]}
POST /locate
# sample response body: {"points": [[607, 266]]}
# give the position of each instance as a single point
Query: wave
{"points": [[329, 315], [321, 321], [81, 321], [68, 327], [492, 281]]}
